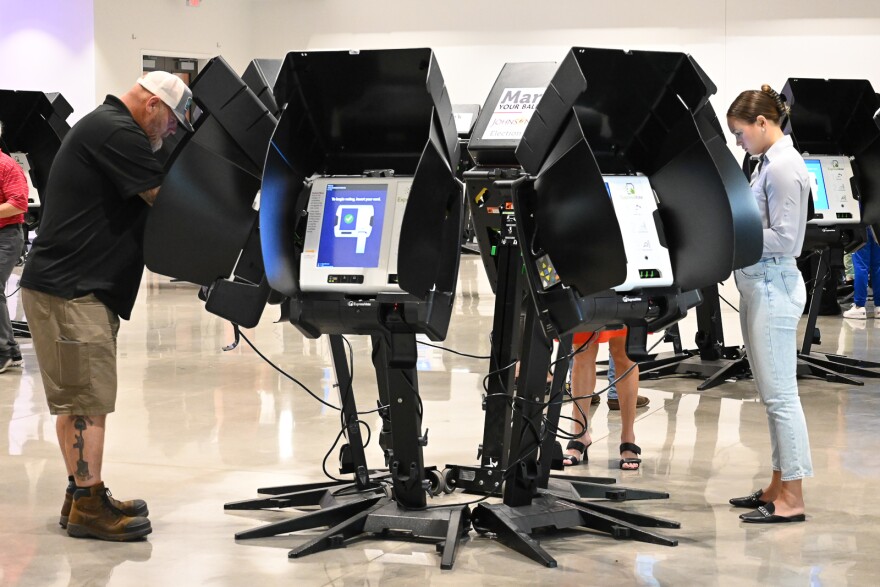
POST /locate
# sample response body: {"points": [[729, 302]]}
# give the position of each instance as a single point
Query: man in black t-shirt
{"points": [[83, 274]]}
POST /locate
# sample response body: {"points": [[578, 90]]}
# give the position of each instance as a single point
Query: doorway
{"points": [[186, 68]]}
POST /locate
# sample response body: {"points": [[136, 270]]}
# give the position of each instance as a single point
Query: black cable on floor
{"points": [[300, 383], [454, 352]]}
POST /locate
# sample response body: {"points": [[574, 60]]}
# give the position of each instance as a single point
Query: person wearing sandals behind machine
{"points": [[583, 381], [772, 298]]}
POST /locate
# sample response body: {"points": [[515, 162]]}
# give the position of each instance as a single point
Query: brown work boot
{"points": [[641, 402], [94, 515], [131, 508]]}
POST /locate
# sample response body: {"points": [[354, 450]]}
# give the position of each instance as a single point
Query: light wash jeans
{"points": [[612, 391], [772, 298]]}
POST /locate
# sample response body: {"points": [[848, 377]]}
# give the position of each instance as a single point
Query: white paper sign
{"points": [[463, 121], [513, 112]]}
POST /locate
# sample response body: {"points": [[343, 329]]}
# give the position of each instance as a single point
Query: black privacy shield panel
{"points": [[362, 109], [204, 213], [349, 112], [260, 76], [34, 123], [835, 117], [633, 112]]}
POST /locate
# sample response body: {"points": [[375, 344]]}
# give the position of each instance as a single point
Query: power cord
{"points": [[454, 352], [537, 435], [446, 505], [347, 390], [735, 309], [333, 447], [300, 383]]}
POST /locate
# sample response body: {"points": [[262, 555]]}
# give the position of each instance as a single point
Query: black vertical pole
{"points": [[710, 331], [504, 353], [395, 362], [525, 438], [554, 409], [349, 410], [816, 299]]}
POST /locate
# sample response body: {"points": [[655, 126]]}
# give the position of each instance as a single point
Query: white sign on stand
{"points": [[463, 121], [512, 114]]}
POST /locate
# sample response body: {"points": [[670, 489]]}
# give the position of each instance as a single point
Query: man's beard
{"points": [[156, 145]]}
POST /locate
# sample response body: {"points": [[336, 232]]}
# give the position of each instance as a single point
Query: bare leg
{"points": [[791, 498], [82, 445], [627, 393], [583, 382], [787, 496], [771, 492]]}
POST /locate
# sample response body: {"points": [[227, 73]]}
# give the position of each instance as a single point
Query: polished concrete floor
{"points": [[197, 426]]}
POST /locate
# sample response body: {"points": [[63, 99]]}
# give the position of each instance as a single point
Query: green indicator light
{"points": [[493, 251]]}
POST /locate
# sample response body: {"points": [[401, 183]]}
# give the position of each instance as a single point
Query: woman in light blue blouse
{"points": [[772, 298]]}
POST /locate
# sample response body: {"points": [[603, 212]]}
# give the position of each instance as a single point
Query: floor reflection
{"points": [[197, 426]]}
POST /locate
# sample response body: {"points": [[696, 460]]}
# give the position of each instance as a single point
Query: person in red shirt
{"points": [[13, 204]]}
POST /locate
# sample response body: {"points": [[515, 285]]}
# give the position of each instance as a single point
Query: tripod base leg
{"points": [[843, 359], [514, 525], [620, 529], [641, 520], [386, 518], [805, 368], [311, 497], [284, 489], [497, 520], [589, 490], [731, 364], [458, 527], [658, 367], [839, 367], [579, 479], [20, 329], [336, 536], [325, 517], [734, 369]]}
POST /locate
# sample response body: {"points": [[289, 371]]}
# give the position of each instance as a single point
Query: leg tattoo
{"points": [[82, 466]]}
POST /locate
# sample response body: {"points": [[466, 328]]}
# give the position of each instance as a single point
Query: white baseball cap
{"points": [[170, 89]]}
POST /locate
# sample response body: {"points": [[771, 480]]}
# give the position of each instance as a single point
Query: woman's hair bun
{"points": [[779, 100]]}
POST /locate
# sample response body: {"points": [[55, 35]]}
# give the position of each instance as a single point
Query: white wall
{"points": [[801, 39], [740, 43], [473, 40], [124, 31], [88, 48], [48, 46]]}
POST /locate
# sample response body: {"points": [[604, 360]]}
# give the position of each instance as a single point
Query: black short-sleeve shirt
{"points": [[90, 238]]}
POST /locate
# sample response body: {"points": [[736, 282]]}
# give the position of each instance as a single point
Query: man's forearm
{"points": [[7, 210]]}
